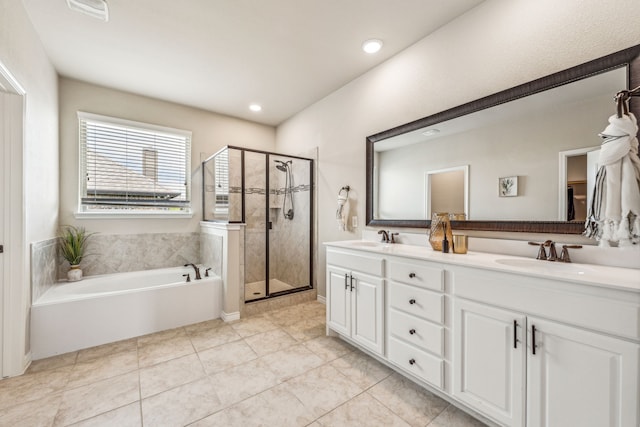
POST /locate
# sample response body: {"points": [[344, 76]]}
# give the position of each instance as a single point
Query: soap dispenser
{"points": [[445, 241]]}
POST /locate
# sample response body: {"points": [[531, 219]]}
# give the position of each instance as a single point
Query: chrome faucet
{"points": [[564, 255], [385, 236], [195, 267], [553, 255]]}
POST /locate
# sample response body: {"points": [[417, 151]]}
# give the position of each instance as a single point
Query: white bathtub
{"points": [[103, 309]]}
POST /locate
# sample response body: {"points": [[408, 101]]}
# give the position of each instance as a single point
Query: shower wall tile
{"points": [[118, 253], [44, 256], [211, 252]]}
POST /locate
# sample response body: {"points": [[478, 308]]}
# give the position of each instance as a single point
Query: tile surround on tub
{"points": [[119, 253], [44, 256]]}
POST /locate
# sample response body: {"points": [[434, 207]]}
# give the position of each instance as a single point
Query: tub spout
{"points": [[197, 270]]}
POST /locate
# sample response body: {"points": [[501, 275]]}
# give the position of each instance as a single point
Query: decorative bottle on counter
{"points": [[439, 223]]}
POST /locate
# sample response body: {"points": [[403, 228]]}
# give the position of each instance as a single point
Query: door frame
{"points": [[14, 289]]}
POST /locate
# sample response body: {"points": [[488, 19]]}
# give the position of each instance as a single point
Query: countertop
{"points": [[626, 279]]}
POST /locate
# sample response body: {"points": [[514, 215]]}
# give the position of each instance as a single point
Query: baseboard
{"points": [[230, 317], [322, 299]]}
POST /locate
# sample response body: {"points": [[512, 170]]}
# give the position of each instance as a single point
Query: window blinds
{"points": [[130, 165]]}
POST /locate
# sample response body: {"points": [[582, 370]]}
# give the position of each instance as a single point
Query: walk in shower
{"points": [[272, 195]]}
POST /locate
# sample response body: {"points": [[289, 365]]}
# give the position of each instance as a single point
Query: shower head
{"points": [[282, 166]]}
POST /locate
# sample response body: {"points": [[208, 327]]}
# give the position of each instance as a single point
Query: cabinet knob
{"points": [[412, 301], [412, 361], [412, 275], [412, 331]]}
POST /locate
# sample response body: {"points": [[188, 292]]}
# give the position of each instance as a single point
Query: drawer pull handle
{"points": [[412, 275], [346, 277], [533, 339], [412, 361], [412, 331], [412, 301]]}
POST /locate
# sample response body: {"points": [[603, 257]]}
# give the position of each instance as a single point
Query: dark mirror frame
{"points": [[629, 57]]}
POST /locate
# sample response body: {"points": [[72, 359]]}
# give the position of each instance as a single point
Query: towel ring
{"points": [[622, 100], [346, 188]]}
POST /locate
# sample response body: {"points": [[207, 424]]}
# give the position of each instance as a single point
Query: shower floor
{"points": [[255, 290]]}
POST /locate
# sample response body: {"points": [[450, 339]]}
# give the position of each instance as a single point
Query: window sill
{"points": [[132, 215]]}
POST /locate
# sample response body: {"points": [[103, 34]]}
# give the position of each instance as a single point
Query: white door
{"points": [[581, 378], [338, 300], [367, 311], [489, 361]]}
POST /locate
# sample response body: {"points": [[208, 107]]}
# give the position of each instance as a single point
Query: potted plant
{"points": [[73, 242]]}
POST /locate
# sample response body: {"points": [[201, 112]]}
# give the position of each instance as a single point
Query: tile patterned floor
{"points": [[275, 369]]}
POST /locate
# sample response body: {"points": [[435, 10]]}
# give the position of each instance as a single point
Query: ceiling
{"points": [[222, 55]]}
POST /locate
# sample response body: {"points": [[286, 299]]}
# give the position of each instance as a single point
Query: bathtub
{"points": [[102, 309]]}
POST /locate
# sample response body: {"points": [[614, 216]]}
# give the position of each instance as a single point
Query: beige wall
{"points": [[210, 132], [495, 46]]}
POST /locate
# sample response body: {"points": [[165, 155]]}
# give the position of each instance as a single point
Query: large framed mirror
{"points": [[527, 152]]}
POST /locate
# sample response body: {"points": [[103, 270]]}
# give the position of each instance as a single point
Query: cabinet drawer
{"points": [[416, 362], [416, 274], [416, 331], [417, 301], [366, 264]]}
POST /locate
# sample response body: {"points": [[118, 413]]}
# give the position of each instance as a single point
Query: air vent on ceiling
{"points": [[95, 8]]}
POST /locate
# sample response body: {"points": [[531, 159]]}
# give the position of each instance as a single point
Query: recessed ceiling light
{"points": [[255, 107], [372, 46], [431, 132], [95, 8]]}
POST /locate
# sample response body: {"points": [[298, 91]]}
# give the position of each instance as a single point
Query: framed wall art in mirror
{"points": [[520, 132]]}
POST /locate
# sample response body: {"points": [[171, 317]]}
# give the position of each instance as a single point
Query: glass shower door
{"points": [[289, 246]]}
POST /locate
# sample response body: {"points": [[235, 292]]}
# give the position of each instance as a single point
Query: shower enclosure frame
{"points": [[268, 223]]}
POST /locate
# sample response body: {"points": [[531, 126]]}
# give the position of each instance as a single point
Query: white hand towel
{"points": [[620, 189], [342, 214]]}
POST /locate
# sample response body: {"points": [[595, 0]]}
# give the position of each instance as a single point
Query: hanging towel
{"points": [[614, 215], [342, 214]]}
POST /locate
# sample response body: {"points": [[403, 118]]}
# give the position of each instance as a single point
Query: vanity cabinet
{"points": [[355, 298], [415, 308], [509, 363], [522, 348]]}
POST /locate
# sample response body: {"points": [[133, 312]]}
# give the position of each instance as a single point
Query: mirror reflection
{"points": [[528, 139]]}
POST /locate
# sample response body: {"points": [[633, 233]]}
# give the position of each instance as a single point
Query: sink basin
{"points": [[535, 264], [366, 244]]}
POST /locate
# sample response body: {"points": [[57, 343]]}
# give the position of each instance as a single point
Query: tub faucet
{"points": [[195, 267]]}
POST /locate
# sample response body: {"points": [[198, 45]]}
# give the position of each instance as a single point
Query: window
{"points": [[131, 167]]}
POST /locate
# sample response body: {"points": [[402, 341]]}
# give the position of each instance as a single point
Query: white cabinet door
{"points": [[367, 311], [489, 361], [338, 300], [581, 378]]}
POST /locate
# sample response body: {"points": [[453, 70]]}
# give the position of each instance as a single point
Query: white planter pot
{"points": [[74, 274]]}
